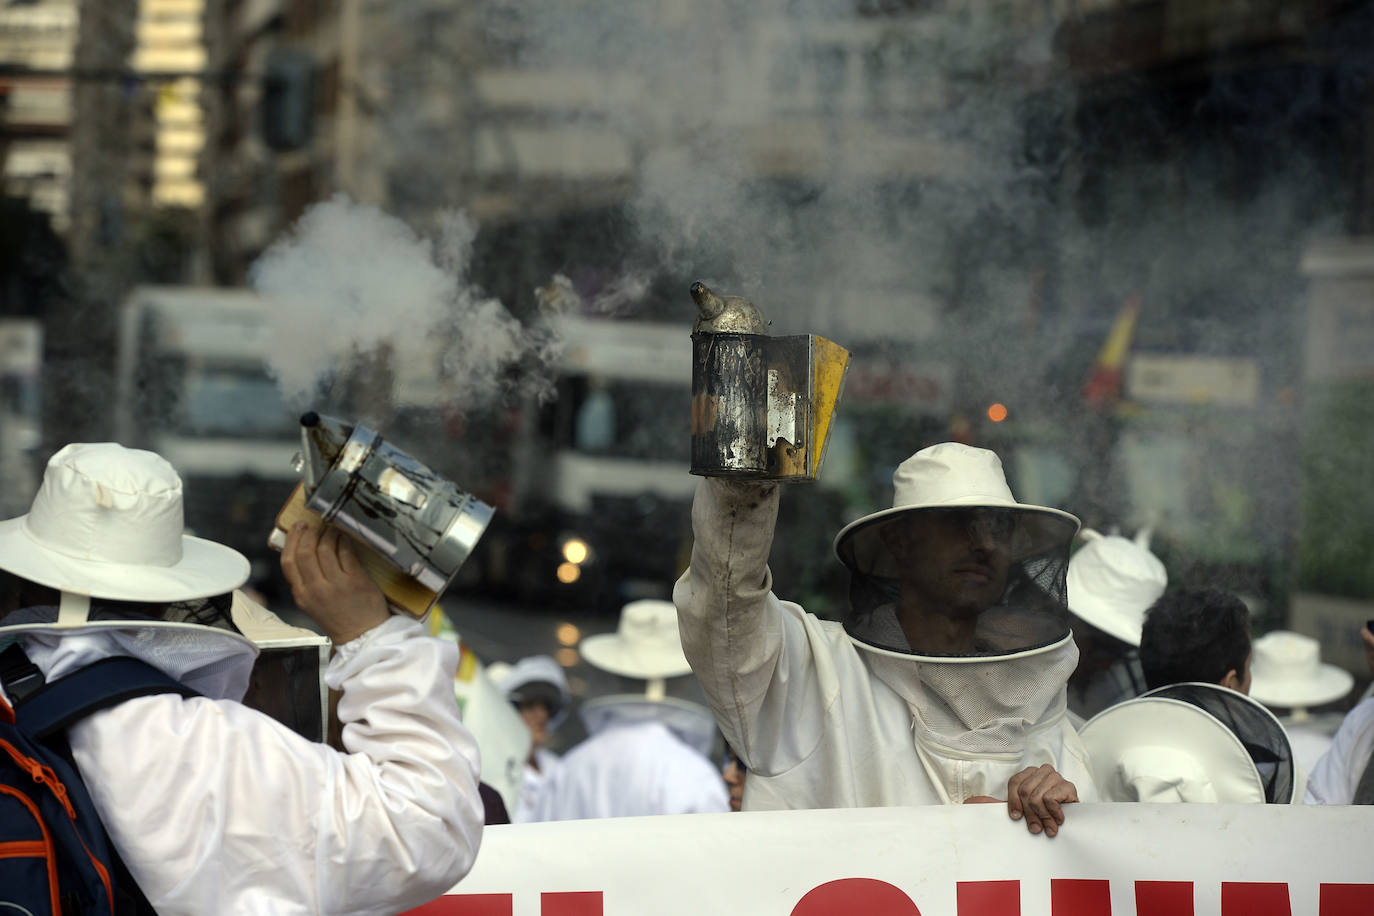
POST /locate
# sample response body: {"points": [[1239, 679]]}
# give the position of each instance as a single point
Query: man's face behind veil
{"points": [[955, 561]]}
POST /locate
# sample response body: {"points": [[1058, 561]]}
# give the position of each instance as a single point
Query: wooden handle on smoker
{"points": [[401, 591]]}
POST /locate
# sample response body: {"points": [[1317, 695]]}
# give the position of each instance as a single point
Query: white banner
{"points": [[1149, 860]]}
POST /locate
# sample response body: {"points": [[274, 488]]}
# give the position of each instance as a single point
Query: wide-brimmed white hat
{"points": [[107, 523], [646, 643], [1166, 748], [1287, 670], [1112, 581], [950, 476]]}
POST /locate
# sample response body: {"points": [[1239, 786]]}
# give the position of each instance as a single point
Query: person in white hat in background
{"points": [[1191, 742], [538, 689], [647, 753], [1344, 775], [1112, 582], [1290, 677], [945, 682], [1197, 635], [213, 806]]}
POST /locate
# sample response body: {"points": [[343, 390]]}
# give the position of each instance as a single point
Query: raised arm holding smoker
{"points": [[945, 682]]}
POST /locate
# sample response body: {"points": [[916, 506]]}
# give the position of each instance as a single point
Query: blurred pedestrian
{"points": [[215, 807], [1191, 742], [647, 753], [944, 683], [538, 689], [734, 772], [1291, 679], [1197, 635], [1344, 775], [1112, 581]]}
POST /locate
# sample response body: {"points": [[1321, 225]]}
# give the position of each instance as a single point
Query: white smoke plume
{"points": [[350, 281]]}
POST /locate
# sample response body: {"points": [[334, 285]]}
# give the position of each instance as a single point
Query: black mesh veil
{"points": [[214, 612], [1255, 726], [1031, 611]]}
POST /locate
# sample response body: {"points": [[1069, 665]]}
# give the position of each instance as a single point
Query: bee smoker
{"points": [[420, 523], [761, 406]]}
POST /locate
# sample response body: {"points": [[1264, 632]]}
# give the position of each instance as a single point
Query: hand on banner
{"points": [[328, 583], [1037, 793]]}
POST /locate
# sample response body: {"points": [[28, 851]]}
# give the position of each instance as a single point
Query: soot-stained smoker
{"points": [[761, 406], [418, 527]]}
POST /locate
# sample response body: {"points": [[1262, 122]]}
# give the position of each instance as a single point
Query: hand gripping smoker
{"points": [[416, 527]]}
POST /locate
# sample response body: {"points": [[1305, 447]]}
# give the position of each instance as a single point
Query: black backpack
{"points": [[55, 857]]}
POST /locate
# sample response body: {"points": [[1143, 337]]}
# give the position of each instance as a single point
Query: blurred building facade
{"points": [[968, 193], [37, 109]]}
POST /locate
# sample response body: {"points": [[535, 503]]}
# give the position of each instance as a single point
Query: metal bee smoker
{"points": [[761, 406], [419, 522]]}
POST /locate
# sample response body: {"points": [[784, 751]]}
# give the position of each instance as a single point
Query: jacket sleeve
{"points": [[750, 651], [218, 808], [1336, 776]]}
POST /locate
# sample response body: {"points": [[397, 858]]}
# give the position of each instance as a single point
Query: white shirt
{"points": [[217, 808], [824, 724], [632, 769], [532, 784], [1337, 774]]}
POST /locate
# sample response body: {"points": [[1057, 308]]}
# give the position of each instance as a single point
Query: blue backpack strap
{"points": [[54, 707]]}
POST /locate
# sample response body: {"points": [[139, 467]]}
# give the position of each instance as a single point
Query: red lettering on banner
{"points": [[1346, 900], [1164, 898], [1241, 898], [855, 895], [571, 903], [989, 898], [466, 905], [1075, 897]]}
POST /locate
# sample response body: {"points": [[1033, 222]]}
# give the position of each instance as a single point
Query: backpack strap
{"points": [[52, 708], [20, 676]]}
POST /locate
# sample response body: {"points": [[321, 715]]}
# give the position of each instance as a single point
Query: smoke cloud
{"points": [[351, 282], [932, 186]]}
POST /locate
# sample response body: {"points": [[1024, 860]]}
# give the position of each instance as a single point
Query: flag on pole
{"points": [[1103, 387]]}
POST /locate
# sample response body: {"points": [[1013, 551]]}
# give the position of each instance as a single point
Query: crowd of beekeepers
{"points": [[992, 651]]}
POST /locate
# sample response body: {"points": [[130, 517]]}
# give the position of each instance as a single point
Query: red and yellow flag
{"points": [[1103, 387]]}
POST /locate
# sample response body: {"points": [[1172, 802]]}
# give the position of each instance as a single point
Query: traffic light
{"points": [[288, 99]]}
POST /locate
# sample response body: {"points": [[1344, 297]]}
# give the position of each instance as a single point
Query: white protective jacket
{"points": [[824, 722], [632, 767], [1337, 774], [217, 808], [532, 784]]}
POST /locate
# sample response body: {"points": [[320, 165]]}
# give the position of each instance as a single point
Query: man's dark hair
{"points": [[1194, 635]]}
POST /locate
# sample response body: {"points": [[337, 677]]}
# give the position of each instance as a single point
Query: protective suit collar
{"points": [[216, 663], [979, 706], [690, 722]]}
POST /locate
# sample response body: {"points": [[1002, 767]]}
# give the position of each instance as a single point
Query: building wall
{"points": [[37, 109]]}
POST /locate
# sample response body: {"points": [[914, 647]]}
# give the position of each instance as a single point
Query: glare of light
{"points": [[568, 634], [575, 550], [568, 573], [997, 412], [566, 657]]}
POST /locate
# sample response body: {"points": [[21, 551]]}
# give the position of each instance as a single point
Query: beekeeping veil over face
{"points": [[963, 580], [105, 533]]}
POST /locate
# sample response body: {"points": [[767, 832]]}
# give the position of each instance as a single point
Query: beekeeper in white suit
{"points": [[213, 806], [945, 683], [648, 753], [1112, 581], [538, 689], [1192, 742]]}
